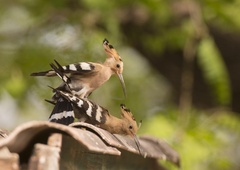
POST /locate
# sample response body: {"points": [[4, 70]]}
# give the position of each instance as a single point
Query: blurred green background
{"points": [[181, 67]]}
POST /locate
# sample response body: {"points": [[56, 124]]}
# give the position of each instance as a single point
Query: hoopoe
{"points": [[87, 111], [85, 77]]}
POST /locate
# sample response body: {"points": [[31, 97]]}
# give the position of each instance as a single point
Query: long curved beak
{"points": [[123, 84], [137, 144]]}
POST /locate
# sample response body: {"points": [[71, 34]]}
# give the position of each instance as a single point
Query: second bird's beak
{"points": [[138, 144], [123, 84]]}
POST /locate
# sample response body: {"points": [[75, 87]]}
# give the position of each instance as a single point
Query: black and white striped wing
{"points": [[80, 68], [62, 112], [96, 114]]}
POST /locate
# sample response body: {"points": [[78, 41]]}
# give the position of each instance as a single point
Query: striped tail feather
{"points": [[60, 73], [62, 112]]}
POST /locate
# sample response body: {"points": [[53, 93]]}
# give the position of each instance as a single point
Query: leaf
{"points": [[214, 70]]}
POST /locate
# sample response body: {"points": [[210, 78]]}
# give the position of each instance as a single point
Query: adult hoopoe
{"points": [[85, 77], [87, 111]]}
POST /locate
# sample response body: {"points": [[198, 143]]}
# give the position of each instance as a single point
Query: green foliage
{"points": [[214, 70], [33, 33], [222, 14], [206, 143]]}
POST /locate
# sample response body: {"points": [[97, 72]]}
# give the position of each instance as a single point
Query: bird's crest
{"points": [[110, 50], [128, 116]]}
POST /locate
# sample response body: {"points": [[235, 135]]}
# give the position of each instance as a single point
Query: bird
{"points": [[85, 110], [85, 77]]}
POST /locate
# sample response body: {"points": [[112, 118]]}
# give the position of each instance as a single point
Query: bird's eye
{"points": [[118, 65]]}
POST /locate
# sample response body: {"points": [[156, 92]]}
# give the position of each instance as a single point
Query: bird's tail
{"points": [[49, 73], [62, 112]]}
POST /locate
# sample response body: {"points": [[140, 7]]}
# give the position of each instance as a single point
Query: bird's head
{"points": [[130, 126], [115, 62]]}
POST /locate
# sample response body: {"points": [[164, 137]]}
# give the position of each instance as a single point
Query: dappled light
{"points": [[181, 68]]}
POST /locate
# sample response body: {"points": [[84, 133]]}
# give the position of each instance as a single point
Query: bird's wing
{"points": [[96, 114], [81, 68]]}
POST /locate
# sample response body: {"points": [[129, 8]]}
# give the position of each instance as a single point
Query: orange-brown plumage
{"points": [[125, 125], [85, 77]]}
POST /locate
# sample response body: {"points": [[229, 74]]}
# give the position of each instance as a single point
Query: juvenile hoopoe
{"points": [[85, 77], [87, 111]]}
